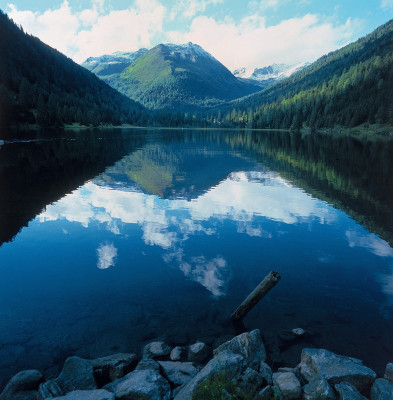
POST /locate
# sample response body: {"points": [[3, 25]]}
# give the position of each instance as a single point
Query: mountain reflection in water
{"points": [[124, 236]]}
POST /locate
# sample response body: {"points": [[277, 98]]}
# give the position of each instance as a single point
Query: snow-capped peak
{"points": [[188, 51], [274, 71]]}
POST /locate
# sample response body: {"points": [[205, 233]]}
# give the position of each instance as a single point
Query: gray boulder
{"points": [[288, 384], [99, 394], [147, 363], [346, 391], [266, 373], [198, 352], [157, 350], [382, 390], [249, 345], [318, 389], [178, 373], [336, 369], [250, 381], [48, 390], [225, 362], [389, 372], [178, 354], [23, 386], [77, 374], [108, 369], [141, 384]]}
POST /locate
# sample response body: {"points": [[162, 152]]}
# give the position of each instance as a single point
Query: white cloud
{"points": [[213, 274], [251, 43], [106, 253], [189, 8], [386, 4], [369, 241], [92, 33]]}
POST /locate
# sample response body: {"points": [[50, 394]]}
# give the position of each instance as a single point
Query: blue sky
{"points": [[239, 33]]}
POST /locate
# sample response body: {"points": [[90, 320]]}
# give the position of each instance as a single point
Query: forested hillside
{"points": [[348, 87], [40, 85]]}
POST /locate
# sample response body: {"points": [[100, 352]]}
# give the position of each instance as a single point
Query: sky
{"points": [[239, 33]]}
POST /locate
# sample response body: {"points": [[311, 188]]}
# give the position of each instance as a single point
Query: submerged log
{"points": [[261, 290]]}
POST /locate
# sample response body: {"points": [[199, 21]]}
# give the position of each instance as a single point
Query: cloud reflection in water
{"points": [[168, 223]]}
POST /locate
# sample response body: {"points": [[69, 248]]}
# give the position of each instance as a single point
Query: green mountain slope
{"points": [[348, 87], [40, 85], [179, 78]]}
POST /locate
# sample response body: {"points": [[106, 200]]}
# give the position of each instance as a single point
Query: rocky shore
{"points": [[236, 369]]}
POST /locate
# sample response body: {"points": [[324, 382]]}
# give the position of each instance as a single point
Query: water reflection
{"points": [[107, 253], [242, 198], [176, 228]]}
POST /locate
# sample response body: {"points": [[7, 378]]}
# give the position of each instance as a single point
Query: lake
{"points": [[110, 239]]}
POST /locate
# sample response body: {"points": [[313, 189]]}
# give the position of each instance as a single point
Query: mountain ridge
{"points": [[179, 78]]}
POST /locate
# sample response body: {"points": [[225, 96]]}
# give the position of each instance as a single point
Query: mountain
{"points": [[348, 87], [178, 78], [271, 73], [115, 63], [40, 85]]}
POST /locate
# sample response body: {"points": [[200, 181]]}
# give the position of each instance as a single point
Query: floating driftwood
{"points": [[261, 290]]}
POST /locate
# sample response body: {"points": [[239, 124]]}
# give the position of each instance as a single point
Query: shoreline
{"points": [[239, 368]]}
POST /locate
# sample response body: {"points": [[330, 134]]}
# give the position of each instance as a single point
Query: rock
{"points": [[48, 390], [267, 373], [318, 389], [178, 354], [266, 393], [198, 352], [141, 384], [288, 384], [157, 350], [108, 369], [347, 391], [389, 372], [99, 394], [250, 382], [382, 390], [77, 374], [298, 332], [147, 363], [229, 363], [336, 369], [296, 371], [249, 345], [23, 386], [178, 373]]}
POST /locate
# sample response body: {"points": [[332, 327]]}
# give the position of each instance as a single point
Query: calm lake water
{"points": [[110, 239]]}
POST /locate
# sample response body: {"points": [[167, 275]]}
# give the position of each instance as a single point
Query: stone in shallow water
{"points": [[382, 390], [157, 350], [336, 369], [48, 390], [99, 394], [249, 345], [318, 389], [266, 373], [23, 386], [141, 384], [77, 374], [389, 372], [109, 368], [198, 352], [288, 384], [178, 354], [178, 373], [347, 391]]}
